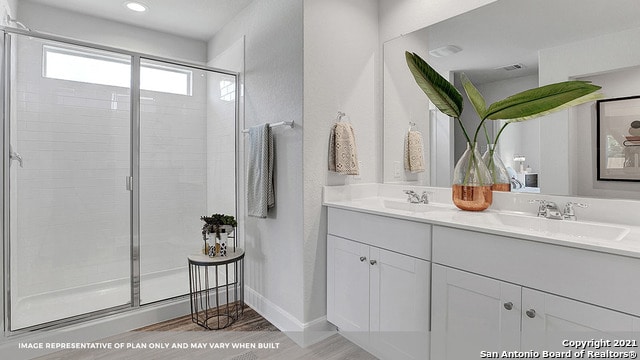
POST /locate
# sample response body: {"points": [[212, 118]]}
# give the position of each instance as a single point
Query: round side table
{"points": [[216, 288]]}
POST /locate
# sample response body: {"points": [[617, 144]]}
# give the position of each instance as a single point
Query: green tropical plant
{"points": [[522, 106]]}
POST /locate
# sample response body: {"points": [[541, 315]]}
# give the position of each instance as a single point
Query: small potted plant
{"points": [[221, 225]]}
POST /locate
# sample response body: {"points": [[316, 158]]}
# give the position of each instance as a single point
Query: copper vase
{"points": [[472, 182]]}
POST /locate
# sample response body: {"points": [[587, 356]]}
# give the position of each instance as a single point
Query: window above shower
{"points": [[98, 68]]}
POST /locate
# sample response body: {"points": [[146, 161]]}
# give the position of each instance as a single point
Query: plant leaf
{"points": [[540, 101], [578, 101], [477, 100], [440, 91]]}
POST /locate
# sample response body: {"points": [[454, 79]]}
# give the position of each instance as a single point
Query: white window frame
{"points": [[188, 74]]}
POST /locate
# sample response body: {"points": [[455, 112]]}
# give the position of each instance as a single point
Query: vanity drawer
{"points": [[402, 236], [598, 278]]}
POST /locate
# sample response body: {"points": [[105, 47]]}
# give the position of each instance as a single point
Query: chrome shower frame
{"points": [[5, 96]]}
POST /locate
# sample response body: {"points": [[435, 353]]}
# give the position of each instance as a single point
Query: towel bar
{"points": [[281, 123]]}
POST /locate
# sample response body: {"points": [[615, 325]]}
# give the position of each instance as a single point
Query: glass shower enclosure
{"points": [[110, 159]]}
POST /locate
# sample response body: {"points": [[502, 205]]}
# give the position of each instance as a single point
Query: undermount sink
{"points": [[407, 206], [571, 230]]}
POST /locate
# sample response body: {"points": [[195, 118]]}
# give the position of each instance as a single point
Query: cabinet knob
{"points": [[531, 313], [363, 258], [508, 305], [373, 262]]}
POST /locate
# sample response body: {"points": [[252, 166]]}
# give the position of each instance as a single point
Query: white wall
{"points": [[559, 145], [273, 73], [615, 84], [404, 16], [342, 73], [286, 263], [100, 31]]}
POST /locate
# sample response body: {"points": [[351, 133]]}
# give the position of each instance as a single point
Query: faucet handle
{"points": [[571, 204], [569, 213], [424, 198], [412, 196], [542, 207]]}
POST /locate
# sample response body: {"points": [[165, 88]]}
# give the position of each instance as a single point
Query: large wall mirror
{"points": [[506, 47]]}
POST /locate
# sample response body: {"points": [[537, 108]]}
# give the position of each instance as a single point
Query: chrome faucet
{"points": [[569, 211], [550, 210], [414, 198]]}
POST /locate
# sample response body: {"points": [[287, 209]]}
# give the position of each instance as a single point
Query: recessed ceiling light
{"points": [[135, 6]]}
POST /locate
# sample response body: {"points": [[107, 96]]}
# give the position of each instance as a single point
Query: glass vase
{"points": [[471, 181], [499, 174]]}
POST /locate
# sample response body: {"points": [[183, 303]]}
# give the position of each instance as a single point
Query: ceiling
{"points": [[198, 19]]}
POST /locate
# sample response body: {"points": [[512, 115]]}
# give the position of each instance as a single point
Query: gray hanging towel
{"points": [[260, 189], [343, 153]]}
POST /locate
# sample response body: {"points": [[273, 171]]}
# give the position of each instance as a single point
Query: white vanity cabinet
{"points": [[348, 284], [472, 313], [494, 293], [378, 277], [547, 319]]}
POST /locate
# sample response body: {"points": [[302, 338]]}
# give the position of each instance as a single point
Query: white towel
{"points": [[414, 152], [260, 190], [343, 153]]}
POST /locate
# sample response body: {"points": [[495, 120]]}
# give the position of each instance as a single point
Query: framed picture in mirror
{"points": [[618, 140]]}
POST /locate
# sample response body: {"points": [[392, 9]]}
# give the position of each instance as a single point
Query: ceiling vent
{"points": [[445, 51], [511, 67]]}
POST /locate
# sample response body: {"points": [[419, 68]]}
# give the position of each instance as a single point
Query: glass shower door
{"points": [[70, 209], [187, 168]]}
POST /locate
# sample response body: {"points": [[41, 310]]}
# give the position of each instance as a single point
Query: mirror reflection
{"points": [[506, 47]]}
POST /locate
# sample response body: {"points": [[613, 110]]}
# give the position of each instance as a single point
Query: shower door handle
{"points": [[15, 156]]}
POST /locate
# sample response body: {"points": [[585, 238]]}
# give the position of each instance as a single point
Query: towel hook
{"points": [[412, 125], [340, 116]]}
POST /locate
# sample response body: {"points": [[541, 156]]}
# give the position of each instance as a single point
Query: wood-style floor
{"points": [[249, 321], [253, 337]]}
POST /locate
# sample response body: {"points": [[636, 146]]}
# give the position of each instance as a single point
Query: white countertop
{"points": [[592, 235]]}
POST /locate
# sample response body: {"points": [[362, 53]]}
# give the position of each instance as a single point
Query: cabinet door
{"points": [[472, 313], [548, 319], [399, 305], [347, 284]]}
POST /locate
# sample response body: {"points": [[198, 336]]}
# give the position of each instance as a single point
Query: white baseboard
{"points": [[303, 334]]}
